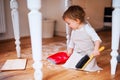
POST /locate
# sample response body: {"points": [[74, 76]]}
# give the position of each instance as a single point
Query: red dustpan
{"points": [[58, 58]]}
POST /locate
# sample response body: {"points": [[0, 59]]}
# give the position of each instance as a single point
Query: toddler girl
{"points": [[84, 40]]}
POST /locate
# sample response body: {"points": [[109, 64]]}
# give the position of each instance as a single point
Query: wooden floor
{"points": [[51, 71]]}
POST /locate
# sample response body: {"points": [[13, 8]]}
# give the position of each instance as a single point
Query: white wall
{"points": [[54, 9], [94, 10], [24, 27]]}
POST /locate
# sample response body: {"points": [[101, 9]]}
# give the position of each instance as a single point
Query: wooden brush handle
{"points": [[92, 56], [101, 48]]}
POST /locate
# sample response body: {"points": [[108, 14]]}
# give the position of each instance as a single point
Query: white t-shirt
{"points": [[89, 30]]}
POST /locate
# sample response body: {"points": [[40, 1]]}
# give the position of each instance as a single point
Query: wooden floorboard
{"points": [[51, 71]]}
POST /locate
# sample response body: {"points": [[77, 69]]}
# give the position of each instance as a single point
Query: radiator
{"points": [[2, 17]]}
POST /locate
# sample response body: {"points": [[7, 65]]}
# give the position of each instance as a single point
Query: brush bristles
{"points": [[82, 62]]}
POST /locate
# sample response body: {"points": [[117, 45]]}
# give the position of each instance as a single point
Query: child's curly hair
{"points": [[74, 12]]}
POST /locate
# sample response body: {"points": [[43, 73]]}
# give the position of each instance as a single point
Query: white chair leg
{"points": [[15, 21], [68, 29], [115, 35], [35, 24]]}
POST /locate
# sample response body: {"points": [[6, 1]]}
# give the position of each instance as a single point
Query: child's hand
{"points": [[96, 52], [70, 51]]}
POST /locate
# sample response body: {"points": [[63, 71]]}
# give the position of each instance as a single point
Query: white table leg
{"points": [[15, 21], [115, 35], [68, 29], [35, 24]]}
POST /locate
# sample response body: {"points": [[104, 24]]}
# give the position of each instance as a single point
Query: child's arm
{"points": [[70, 47], [70, 51], [96, 48], [94, 36]]}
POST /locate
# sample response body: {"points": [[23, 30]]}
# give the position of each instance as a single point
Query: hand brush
{"points": [[86, 59]]}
